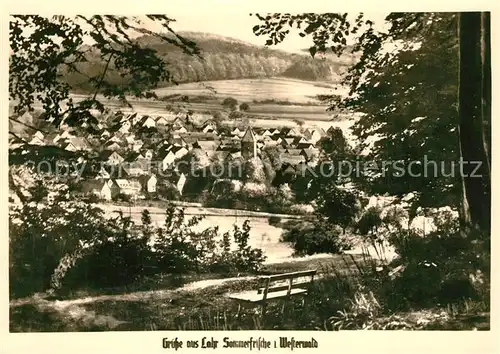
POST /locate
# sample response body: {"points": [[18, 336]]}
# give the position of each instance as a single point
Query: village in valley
{"points": [[139, 156]]}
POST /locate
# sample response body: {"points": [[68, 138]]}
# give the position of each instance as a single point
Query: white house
{"points": [[39, 134], [130, 139], [137, 145], [112, 157], [128, 187], [210, 128], [180, 183], [167, 158], [133, 118], [136, 168], [316, 135], [148, 122], [149, 183], [36, 140], [236, 131], [65, 134], [179, 151], [179, 129], [125, 127], [161, 120], [103, 174], [70, 147], [112, 146], [100, 188], [148, 154], [115, 139], [267, 132]]}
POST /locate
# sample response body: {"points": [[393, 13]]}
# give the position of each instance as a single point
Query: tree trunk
{"points": [[474, 111]]}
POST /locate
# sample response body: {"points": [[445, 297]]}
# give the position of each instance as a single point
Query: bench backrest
{"points": [[280, 282]]}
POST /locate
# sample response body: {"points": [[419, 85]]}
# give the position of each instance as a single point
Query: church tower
{"points": [[249, 145]]}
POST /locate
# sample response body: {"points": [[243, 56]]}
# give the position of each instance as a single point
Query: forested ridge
{"points": [[222, 58]]}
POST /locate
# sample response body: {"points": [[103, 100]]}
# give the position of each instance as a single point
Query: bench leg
{"points": [[304, 305], [263, 313], [238, 314]]}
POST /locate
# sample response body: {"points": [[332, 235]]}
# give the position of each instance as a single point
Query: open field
{"points": [[247, 90], [269, 115], [261, 115], [262, 235], [271, 111]]}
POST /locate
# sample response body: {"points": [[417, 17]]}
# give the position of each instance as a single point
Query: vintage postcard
{"points": [[251, 178]]}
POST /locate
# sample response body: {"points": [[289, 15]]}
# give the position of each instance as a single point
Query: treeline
{"points": [[222, 59], [315, 69]]}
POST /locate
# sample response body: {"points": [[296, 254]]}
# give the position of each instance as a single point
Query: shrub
{"points": [[69, 245], [309, 238], [244, 258], [439, 268], [168, 191], [244, 107], [339, 205], [274, 220], [230, 103], [235, 115], [43, 235], [122, 197]]}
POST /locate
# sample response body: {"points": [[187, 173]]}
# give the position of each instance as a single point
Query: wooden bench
{"points": [[275, 287]]}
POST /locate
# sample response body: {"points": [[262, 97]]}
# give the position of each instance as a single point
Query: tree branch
{"points": [[101, 79], [18, 137], [27, 125]]}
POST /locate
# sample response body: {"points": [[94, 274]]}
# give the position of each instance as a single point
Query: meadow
{"points": [[273, 101], [262, 235], [248, 90]]}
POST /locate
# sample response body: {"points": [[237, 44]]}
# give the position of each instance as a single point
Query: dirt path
{"points": [[73, 309]]}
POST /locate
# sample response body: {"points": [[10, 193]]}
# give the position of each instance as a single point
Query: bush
{"points": [[122, 198], [309, 238], [42, 236], [168, 192], [244, 107], [244, 258], [230, 103], [68, 245], [235, 115], [274, 220], [440, 267]]}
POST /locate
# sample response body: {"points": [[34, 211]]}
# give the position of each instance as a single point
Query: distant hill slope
{"points": [[223, 58]]}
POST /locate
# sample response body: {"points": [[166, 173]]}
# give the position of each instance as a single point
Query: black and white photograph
{"points": [[291, 171]]}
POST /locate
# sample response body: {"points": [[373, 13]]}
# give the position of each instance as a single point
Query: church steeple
{"points": [[249, 144]]}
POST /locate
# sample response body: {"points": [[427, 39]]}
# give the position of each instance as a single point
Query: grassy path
{"points": [[121, 310]]}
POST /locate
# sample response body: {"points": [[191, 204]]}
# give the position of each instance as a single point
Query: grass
{"points": [[336, 302], [247, 90], [205, 308]]}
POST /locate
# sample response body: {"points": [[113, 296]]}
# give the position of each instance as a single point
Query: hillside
{"points": [[224, 58]]}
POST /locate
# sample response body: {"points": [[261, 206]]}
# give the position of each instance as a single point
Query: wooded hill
{"points": [[223, 58]]}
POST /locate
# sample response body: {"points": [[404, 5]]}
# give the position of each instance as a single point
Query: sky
{"points": [[239, 25], [235, 24]]}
